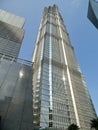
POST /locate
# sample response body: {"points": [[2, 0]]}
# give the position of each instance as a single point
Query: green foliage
{"points": [[94, 123], [73, 127]]}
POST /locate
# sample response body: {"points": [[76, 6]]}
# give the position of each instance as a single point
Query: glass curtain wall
{"points": [[15, 94], [58, 84]]}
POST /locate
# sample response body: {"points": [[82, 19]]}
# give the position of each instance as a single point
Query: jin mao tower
{"points": [[60, 95]]}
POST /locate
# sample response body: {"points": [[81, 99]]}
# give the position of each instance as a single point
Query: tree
{"points": [[73, 127], [94, 123]]}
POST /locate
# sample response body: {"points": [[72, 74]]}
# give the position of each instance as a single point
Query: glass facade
{"points": [[60, 96], [15, 94], [11, 33], [93, 12]]}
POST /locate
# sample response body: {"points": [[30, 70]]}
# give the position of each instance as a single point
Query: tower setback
{"points": [[11, 33]]}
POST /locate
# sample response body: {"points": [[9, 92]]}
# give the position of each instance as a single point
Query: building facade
{"points": [[15, 76], [11, 33], [93, 12], [60, 95], [15, 94]]}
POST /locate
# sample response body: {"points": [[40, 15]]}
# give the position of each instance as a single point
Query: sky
{"points": [[83, 35]]}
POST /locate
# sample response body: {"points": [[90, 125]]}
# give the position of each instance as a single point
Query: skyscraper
{"points": [[93, 12], [60, 95], [11, 33]]}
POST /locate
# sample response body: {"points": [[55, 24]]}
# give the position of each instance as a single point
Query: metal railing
{"points": [[15, 59]]}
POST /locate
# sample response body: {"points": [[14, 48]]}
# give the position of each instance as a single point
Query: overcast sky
{"points": [[83, 35]]}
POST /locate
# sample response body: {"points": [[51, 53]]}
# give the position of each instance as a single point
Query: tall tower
{"points": [[60, 95], [11, 33]]}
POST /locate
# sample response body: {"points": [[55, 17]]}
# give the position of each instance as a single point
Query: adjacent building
{"points": [[60, 95], [15, 76], [15, 94], [93, 12], [11, 33]]}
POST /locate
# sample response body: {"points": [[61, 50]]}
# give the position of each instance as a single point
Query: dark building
{"points": [[11, 33], [15, 94], [60, 94], [93, 12]]}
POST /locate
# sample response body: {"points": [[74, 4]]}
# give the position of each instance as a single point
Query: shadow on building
{"points": [[15, 94]]}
